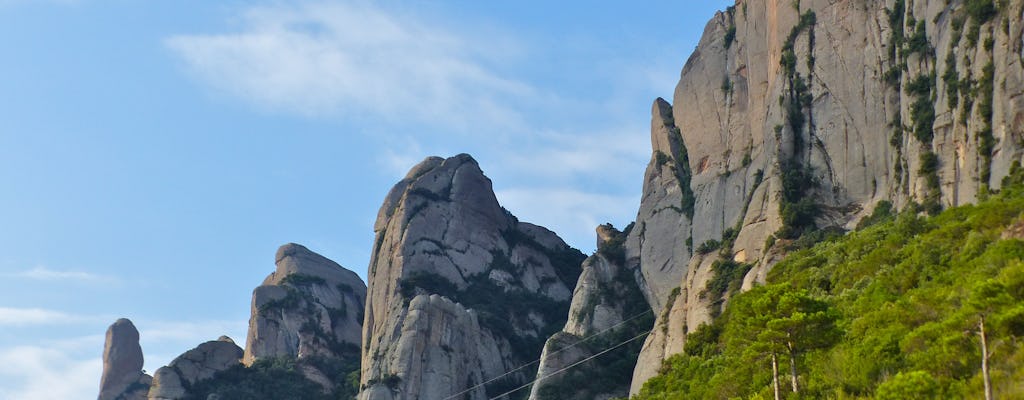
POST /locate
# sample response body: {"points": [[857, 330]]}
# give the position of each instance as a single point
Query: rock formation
{"points": [[203, 362], [122, 377], [607, 309], [798, 117], [308, 307], [460, 292]]}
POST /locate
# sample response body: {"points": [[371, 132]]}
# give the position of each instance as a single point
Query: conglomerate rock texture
{"points": [[309, 307], [792, 117], [608, 308], [460, 292], [171, 382], [122, 377]]}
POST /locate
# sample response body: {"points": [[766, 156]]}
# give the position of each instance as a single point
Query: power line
{"points": [[550, 355], [570, 366]]}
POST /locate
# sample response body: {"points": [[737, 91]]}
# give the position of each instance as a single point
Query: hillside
{"points": [[891, 311]]}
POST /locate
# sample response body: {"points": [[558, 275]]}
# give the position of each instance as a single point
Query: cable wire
{"points": [[570, 366], [471, 388]]}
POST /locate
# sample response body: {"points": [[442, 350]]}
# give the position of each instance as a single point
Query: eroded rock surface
{"points": [[608, 309], [171, 382], [795, 119], [122, 377], [460, 291], [308, 308]]}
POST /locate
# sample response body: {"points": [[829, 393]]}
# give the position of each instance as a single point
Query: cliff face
{"points": [[172, 382], [309, 307], [460, 292], [122, 377], [608, 308], [799, 116]]}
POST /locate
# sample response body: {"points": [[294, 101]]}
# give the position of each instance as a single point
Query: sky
{"points": [[154, 154]]}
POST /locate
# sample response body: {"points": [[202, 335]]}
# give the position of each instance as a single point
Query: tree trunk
{"points": [[792, 368], [775, 375], [984, 359]]}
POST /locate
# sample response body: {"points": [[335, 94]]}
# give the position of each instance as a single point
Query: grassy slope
{"points": [[907, 294]]}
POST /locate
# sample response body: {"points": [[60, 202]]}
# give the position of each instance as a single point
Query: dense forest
{"points": [[906, 306]]}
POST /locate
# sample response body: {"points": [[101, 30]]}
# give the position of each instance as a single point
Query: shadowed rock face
{"points": [[459, 290], [309, 306], [122, 364], [607, 308], [827, 92], [201, 363]]}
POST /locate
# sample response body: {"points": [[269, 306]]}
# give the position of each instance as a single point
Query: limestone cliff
{"points": [[309, 308], [794, 118], [122, 377], [582, 361], [460, 292]]}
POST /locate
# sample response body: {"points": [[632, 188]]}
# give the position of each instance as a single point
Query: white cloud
{"points": [[46, 274], [20, 317], [610, 155], [38, 373], [350, 59]]}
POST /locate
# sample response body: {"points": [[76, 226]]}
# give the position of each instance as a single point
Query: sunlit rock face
{"points": [[840, 104], [122, 364], [459, 291]]}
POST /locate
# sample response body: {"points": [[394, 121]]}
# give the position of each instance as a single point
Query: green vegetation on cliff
{"points": [[897, 309]]}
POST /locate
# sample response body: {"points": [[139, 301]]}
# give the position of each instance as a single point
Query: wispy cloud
{"points": [[352, 59], [38, 373], [20, 317], [46, 274]]}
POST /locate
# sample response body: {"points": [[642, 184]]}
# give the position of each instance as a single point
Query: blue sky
{"points": [[154, 154]]}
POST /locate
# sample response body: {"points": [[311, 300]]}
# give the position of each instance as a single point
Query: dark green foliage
{"points": [[883, 212], [918, 42], [922, 110], [727, 278], [981, 11], [911, 385], [929, 164], [611, 372], [730, 36], [929, 170], [797, 209], [906, 293], [661, 158], [920, 86], [892, 76], [291, 300], [896, 20], [277, 379], [302, 280], [704, 340], [726, 85], [952, 81], [986, 141], [426, 282], [728, 238], [683, 176], [390, 380], [614, 249], [709, 246]]}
